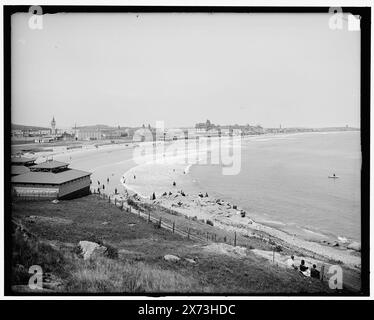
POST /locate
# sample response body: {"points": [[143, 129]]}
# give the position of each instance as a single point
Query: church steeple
{"points": [[53, 126]]}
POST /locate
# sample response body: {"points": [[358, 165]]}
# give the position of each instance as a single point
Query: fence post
{"points": [[235, 239], [149, 216], [322, 272], [109, 198], [173, 226]]}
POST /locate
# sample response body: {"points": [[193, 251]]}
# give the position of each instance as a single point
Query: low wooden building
{"points": [[51, 180], [22, 161], [17, 170]]}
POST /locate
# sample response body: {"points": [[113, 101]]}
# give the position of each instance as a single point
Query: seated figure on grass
{"points": [[291, 263], [314, 273], [304, 269]]}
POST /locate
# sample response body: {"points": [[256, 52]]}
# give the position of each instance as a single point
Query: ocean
{"points": [[284, 182]]}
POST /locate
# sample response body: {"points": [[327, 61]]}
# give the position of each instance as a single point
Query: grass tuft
{"points": [[28, 252], [106, 275]]}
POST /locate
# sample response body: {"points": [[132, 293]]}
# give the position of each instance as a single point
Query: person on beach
{"points": [[107, 180], [115, 190], [134, 176], [98, 182], [174, 184], [314, 273], [206, 194], [291, 263], [103, 187]]}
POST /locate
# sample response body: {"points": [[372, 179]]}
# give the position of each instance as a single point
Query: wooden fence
{"points": [[188, 233], [209, 238]]}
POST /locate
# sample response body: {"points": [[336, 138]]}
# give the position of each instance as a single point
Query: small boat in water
{"points": [[334, 176]]}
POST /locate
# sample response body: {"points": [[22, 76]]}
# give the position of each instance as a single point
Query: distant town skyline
{"points": [[191, 126], [130, 69]]}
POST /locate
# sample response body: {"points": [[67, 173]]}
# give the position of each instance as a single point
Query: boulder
{"points": [[355, 246], [343, 239], [91, 249], [190, 260], [170, 257]]}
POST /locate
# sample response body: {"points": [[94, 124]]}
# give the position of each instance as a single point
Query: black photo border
{"points": [[364, 12]]}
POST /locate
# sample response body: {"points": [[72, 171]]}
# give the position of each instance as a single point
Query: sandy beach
{"points": [[159, 179]]}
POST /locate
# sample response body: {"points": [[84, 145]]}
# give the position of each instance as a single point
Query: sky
{"points": [[182, 68]]}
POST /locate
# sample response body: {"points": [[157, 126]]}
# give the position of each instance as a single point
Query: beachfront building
{"points": [[20, 165], [114, 133], [66, 136], [100, 132], [17, 170], [204, 126], [26, 131], [51, 180], [88, 133], [17, 133], [44, 139], [22, 161]]}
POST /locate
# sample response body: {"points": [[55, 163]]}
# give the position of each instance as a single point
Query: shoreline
{"points": [[159, 178], [224, 216], [180, 173]]}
